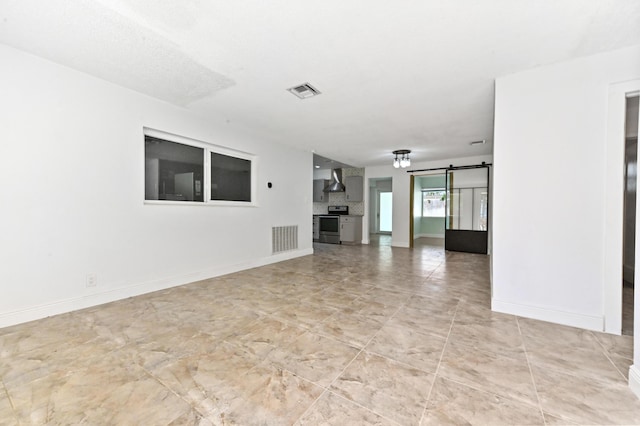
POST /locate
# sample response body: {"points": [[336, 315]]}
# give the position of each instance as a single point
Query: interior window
{"points": [[173, 171], [230, 178], [186, 170]]}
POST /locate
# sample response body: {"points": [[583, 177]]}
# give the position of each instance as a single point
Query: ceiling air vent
{"points": [[304, 91]]}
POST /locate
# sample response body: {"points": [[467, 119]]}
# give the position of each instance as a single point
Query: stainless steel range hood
{"points": [[335, 185]]}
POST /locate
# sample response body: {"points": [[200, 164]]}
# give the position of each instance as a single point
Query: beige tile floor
{"points": [[352, 335]]}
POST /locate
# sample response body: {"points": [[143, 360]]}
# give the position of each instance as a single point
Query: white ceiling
{"points": [[405, 74]]}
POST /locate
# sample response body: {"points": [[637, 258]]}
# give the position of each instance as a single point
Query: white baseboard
{"points": [[415, 236], [402, 244], [73, 304], [595, 323], [634, 380]]}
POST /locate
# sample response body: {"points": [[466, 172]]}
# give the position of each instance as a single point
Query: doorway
{"points": [[467, 210], [385, 213], [429, 209], [452, 203], [629, 221], [381, 210], [614, 201]]}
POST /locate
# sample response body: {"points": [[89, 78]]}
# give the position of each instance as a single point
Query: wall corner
{"points": [[634, 380]]}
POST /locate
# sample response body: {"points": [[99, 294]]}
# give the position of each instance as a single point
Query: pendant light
{"points": [[401, 158]]}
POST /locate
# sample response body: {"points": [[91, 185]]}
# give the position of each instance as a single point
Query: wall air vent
{"points": [[284, 238], [304, 91]]}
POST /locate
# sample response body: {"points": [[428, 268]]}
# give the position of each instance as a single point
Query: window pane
{"points": [[467, 207], [230, 178], [173, 171], [480, 207], [433, 203]]}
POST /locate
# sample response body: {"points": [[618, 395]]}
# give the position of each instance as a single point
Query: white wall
{"points": [[401, 192], [72, 190], [551, 186]]}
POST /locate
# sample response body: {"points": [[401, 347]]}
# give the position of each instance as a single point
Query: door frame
{"points": [[466, 240], [379, 211], [613, 207], [412, 198], [373, 212], [412, 182], [444, 171]]}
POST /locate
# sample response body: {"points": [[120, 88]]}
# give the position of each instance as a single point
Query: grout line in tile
{"points": [[444, 348], [511, 355], [572, 372], [13, 407], [355, 403], [533, 380], [606, 353], [351, 362], [315, 401], [201, 389], [395, 361], [489, 392], [569, 420], [189, 403]]}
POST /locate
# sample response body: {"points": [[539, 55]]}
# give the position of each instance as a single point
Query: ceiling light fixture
{"points": [[402, 158]]}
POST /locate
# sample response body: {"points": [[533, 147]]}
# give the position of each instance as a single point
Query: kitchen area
{"points": [[338, 202]]}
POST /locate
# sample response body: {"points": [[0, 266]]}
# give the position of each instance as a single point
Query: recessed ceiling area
{"points": [[417, 75]]}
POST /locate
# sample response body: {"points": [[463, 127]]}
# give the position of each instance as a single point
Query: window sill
{"points": [[199, 203]]}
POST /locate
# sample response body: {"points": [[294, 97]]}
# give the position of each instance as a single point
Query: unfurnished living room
{"points": [[319, 213]]}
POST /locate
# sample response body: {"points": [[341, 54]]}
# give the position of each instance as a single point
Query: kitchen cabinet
{"points": [[351, 229], [319, 196], [353, 188]]}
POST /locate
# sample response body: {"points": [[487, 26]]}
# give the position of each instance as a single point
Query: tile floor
{"points": [[352, 335]]}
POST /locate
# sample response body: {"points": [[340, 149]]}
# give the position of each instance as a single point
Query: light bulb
{"points": [[404, 162], [396, 163]]}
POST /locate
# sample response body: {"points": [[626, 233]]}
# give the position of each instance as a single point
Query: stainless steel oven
{"points": [[329, 224], [329, 229]]}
